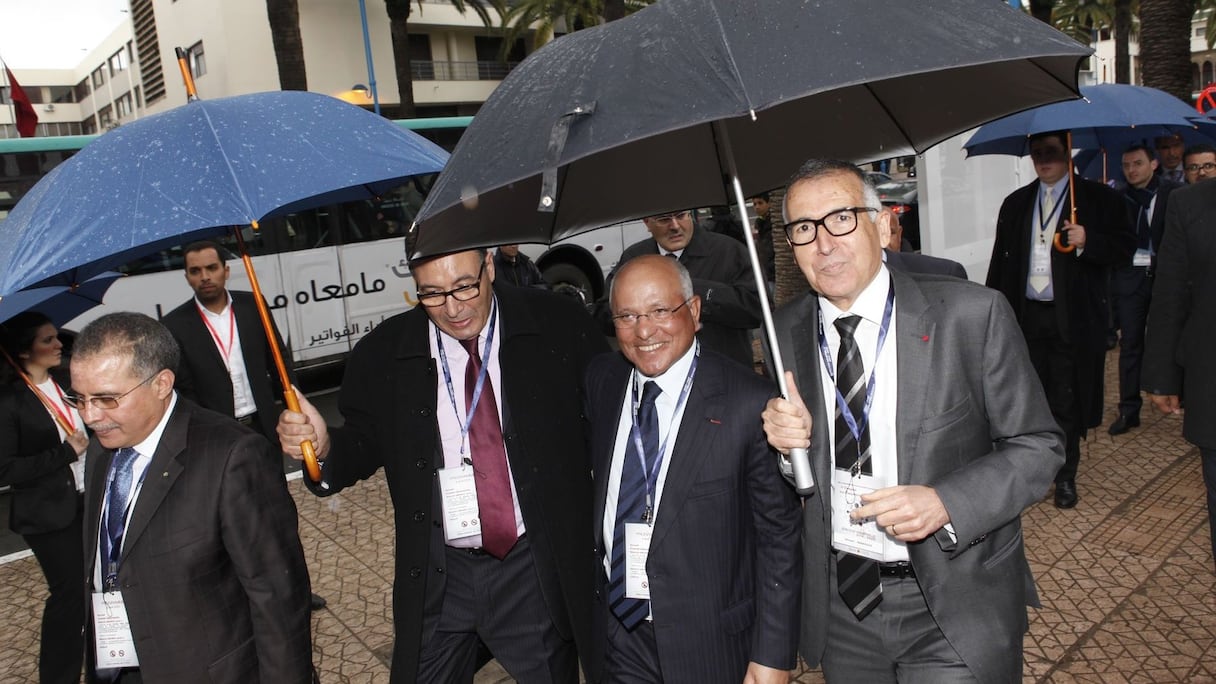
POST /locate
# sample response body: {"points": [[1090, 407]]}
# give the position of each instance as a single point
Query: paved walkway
{"points": [[1126, 578]]}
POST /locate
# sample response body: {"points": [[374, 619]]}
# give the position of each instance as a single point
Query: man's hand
{"points": [[306, 426], [1076, 235], [759, 674], [787, 424], [79, 441], [1166, 403], [908, 513]]}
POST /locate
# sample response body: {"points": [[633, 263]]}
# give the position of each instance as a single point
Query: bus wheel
{"points": [[570, 280]]}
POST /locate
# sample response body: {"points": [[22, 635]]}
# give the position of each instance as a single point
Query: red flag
{"points": [[27, 118]]}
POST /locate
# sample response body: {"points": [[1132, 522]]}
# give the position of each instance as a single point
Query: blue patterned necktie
{"points": [[118, 496], [630, 505]]}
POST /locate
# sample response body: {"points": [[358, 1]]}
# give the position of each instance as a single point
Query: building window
{"points": [[105, 116], [139, 98], [123, 105], [1207, 73], [118, 62], [81, 90], [198, 59], [99, 77], [61, 94]]}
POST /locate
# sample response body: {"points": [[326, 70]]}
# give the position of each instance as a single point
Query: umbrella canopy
{"points": [[194, 170], [60, 303], [616, 122], [1111, 117]]}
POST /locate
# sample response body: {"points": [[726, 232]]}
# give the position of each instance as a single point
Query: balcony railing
{"points": [[422, 70]]}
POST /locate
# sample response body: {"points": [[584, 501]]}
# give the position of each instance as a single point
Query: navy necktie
{"points": [[631, 505], [119, 495]]}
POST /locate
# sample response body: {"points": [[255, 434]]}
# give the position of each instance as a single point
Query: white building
{"points": [[1101, 67], [454, 60]]}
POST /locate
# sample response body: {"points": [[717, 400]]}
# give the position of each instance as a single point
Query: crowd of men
{"points": [[630, 514]]}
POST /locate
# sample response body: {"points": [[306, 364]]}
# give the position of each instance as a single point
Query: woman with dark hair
{"points": [[42, 446]]}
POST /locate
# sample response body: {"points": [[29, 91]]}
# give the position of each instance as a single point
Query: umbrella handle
{"points": [[1060, 246], [1072, 202]]}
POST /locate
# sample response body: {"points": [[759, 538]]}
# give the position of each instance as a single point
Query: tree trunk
{"points": [[613, 9], [1041, 10], [284, 16], [399, 17], [1123, 34], [790, 282], [1165, 46]]}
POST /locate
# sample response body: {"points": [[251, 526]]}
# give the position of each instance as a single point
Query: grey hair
{"points": [[818, 168], [686, 290], [148, 343]]}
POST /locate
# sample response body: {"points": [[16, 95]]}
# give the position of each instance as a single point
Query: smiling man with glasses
{"points": [[189, 526], [472, 405], [721, 277]]}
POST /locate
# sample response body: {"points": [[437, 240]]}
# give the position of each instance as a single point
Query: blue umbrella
{"points": [[197, 169], [60, 303], [1112, 116]]}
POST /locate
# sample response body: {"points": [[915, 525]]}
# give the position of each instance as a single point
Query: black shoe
{"points": [[317, 603], [1124, 423], [1066, 494]]}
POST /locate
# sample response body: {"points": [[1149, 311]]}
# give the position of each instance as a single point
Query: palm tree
{"points": [[398, 17], [1165, 45], [1079, 18], [544, 16], [284, 16]]}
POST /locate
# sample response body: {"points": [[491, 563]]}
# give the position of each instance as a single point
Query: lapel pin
{"points": [[715, 421]]}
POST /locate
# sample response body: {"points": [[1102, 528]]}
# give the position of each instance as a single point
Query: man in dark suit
{"points": [[1060, 293], [915, 262], [493, 507], [1147, 196], [930, 436], [191, 543], [721, 276], [708, 526], [227, 364], [1178, 359]]}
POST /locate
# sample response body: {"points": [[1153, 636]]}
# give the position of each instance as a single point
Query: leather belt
{"points": [[478, 551], [896, 569], [248, 420]]}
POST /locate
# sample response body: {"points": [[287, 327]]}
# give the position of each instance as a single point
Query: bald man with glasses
{"points": [[721, 276], [471, 403]]}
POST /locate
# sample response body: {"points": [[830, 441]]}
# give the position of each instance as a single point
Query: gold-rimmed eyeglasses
{"points": [[660, 315], [105, 402]]}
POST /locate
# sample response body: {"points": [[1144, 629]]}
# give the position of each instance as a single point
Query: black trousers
{"points": [[1052, 358], [1133, 290], [60, 554]]}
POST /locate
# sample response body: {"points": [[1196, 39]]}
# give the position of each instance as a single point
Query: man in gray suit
{"points": [[1182, 323], [930, 436]]}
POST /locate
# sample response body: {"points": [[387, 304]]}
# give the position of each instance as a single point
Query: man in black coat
{"points": [[1057, 287], [465, 530], [227, 365], [721, 277], [1147, 195]]}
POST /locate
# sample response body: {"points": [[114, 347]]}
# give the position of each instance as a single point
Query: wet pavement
{"points": [[1126, 578]]}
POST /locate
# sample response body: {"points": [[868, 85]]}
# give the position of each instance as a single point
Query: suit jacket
{"points": [[1080, 279], [723, 566], [202, 376], [915, 262], [388, 400], [1182, 317], [974, 425], [36, 463], [722, 275], [212, 571]]}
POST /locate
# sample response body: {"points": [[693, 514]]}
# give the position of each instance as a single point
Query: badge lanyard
{"points": [[481, 378], [224, 352], [1047, 222], [112, 551], [841, 403], [635, 433]]}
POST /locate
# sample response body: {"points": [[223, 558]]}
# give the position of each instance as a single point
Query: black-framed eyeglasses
{"points": [[1206, 166], [668, 219], [660, 315], [461, 294], [838, 222], [103, 402]]}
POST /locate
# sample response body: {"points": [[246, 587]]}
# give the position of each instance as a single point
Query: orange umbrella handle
{"points": [[1072, 203], [289, 395], [1060, 246]]}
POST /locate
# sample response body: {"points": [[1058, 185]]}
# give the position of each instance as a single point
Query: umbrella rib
{"points": [[236, 181], [730, 57], [891, 117]]}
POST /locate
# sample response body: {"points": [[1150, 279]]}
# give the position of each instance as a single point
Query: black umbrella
{"points": [[701, 102]]}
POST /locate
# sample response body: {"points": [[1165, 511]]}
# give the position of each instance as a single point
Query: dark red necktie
{"points": [[498, 531]]}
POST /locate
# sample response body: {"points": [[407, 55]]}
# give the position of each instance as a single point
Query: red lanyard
{"points": [[58, 410], [226, 352]]}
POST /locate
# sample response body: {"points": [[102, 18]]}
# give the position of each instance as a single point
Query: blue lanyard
{"points": [[1046, 222], [635, 433], [112, 539], [854, 426], [481, 377]]}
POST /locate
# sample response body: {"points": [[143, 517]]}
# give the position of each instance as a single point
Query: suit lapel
{"points": [[804, 341], [160, 475], [915, 332], [97, 465], [206, 340], [694, 442]]}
